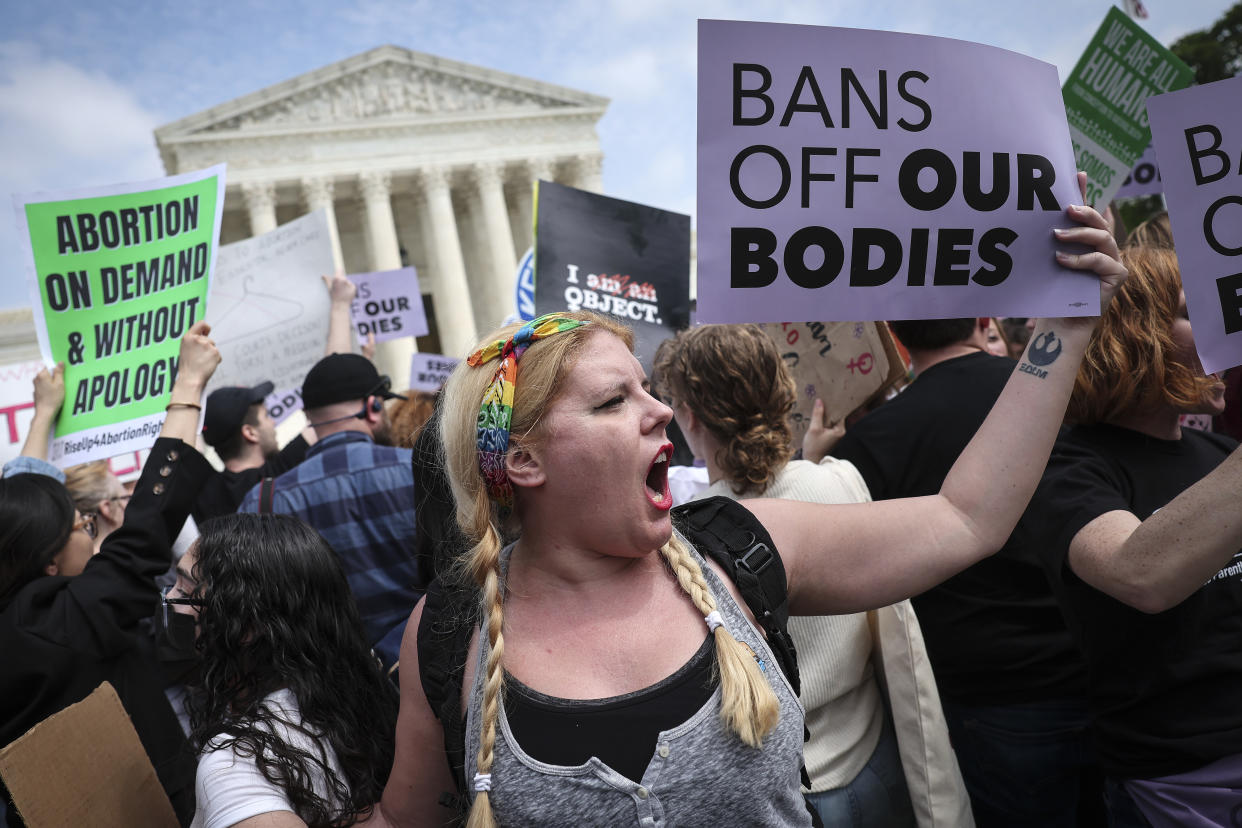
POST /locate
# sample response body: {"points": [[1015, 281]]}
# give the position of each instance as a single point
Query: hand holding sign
{"points": [[49, 396], [821, 435], [1104, 259]]}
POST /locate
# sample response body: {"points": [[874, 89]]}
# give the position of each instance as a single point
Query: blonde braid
{"points": [[485, 566], [748, 706]]}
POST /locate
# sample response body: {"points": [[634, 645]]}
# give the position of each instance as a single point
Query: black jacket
{"points": [[62, 636]]}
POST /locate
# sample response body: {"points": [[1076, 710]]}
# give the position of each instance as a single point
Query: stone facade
{"points": [[422, 161]]}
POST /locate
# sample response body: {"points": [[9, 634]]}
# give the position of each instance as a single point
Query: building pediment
{"points": [[384, 84]]}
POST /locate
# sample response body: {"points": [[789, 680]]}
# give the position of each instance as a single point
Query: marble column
{"points": [[498, 239], [589, 173], [260, 197], [454, 315], [317, 193], [392, 357], [385, 252], [537, 169]]}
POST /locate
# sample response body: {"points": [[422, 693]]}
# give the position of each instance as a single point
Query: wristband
{"points": [[173, 405]]}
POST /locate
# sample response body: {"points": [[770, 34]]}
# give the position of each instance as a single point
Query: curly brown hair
{"points": [[1130, 364], [733, 378]]}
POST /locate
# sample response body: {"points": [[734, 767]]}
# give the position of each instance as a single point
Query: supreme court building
{"points": [[420, 161]]}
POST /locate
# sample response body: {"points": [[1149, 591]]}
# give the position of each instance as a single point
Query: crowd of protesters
{"points": [[498, 617]]}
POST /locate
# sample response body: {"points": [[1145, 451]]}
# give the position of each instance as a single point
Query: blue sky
{"points": [[82, 86]]}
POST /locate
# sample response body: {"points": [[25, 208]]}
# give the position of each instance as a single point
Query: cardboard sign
{"points": [[843, 363], [269, 309], [1144, 179], [117, 275], [428, 372], [389, 305], [850, 174], [1104, 99], [16, 406], [613, 257], [85, 766], [1198, 135]]}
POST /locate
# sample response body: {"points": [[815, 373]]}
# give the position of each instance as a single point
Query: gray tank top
{"points": [[700, 773]]}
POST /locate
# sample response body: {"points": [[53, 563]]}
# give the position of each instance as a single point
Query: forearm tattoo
{"points": [[1042, 352]]}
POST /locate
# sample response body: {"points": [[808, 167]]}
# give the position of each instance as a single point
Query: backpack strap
{"points": [[729, 534], [267, 490], [444, 632]]}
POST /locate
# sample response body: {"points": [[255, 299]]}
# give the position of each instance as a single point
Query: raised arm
{"points": [[197, 362], [855, 557], [340, 323], [1155, 564], [49, 395]]}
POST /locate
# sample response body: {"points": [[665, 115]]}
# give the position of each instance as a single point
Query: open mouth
{"points": [[655, 485]]}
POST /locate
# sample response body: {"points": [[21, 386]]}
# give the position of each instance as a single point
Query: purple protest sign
{"points": [[281, 405], [1144, 179], [1198, 138], [851, 174], [388, 304], [430, 371]]}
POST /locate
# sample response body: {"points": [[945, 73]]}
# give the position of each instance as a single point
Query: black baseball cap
{"points": [[226, 411], [343, 377]]}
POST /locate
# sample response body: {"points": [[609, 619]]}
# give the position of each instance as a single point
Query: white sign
{"points": [[16, 406], [430, 371], [268, 308]]}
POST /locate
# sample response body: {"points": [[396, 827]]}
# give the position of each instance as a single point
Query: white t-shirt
{"points": [[230, 788]]}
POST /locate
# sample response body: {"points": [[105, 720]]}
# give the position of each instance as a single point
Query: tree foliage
{"points": [[1215, 53]]}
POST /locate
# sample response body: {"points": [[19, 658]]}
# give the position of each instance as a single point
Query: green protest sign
{"points": [[1106, 100], [117, 275]]}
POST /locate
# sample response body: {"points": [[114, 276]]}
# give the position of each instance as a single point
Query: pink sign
{"points": [[851, 174], [1198, 138], [388, 305]]}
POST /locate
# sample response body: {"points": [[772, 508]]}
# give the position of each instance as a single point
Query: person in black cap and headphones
{"points": [[236, 424], [357, 491]]}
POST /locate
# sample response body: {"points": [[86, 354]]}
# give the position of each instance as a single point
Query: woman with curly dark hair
{"points": [[294, 719]]}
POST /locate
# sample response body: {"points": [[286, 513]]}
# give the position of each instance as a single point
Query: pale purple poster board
{"points": [[859, 249], [1198, 137], [283, 404], [1144, 179], [430, 371], [388, 304]]}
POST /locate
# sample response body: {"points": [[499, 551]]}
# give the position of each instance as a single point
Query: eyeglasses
{"points": [[166, 603], [87, 524], [187, 601]]}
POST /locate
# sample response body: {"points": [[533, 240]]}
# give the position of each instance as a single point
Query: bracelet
{"points": [[173, 405]]}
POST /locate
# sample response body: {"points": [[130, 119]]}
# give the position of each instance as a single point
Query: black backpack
{"points": [[721, 529]]}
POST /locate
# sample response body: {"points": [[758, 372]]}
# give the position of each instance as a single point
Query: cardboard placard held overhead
{"points": [[1198, 135], [851, 174], [1104, 100], [85, 766], [614, 257], [843, 363]]}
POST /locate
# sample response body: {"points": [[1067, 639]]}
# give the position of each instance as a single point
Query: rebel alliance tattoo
{"points": [[1043, 351]]}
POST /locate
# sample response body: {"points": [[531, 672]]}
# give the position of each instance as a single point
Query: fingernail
{"points": [[1062, 257], [1059, 231]]}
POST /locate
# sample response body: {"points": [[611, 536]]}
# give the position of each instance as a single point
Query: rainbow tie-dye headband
{"points": [[496, 412]]}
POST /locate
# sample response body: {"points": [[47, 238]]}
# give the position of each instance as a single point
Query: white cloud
{"points": [[63, 128]]}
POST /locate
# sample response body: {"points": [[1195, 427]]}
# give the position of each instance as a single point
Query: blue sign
{"points": [[526, 285]]}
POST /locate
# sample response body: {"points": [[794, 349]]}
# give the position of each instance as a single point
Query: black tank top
{"points": [[622, 730]]}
